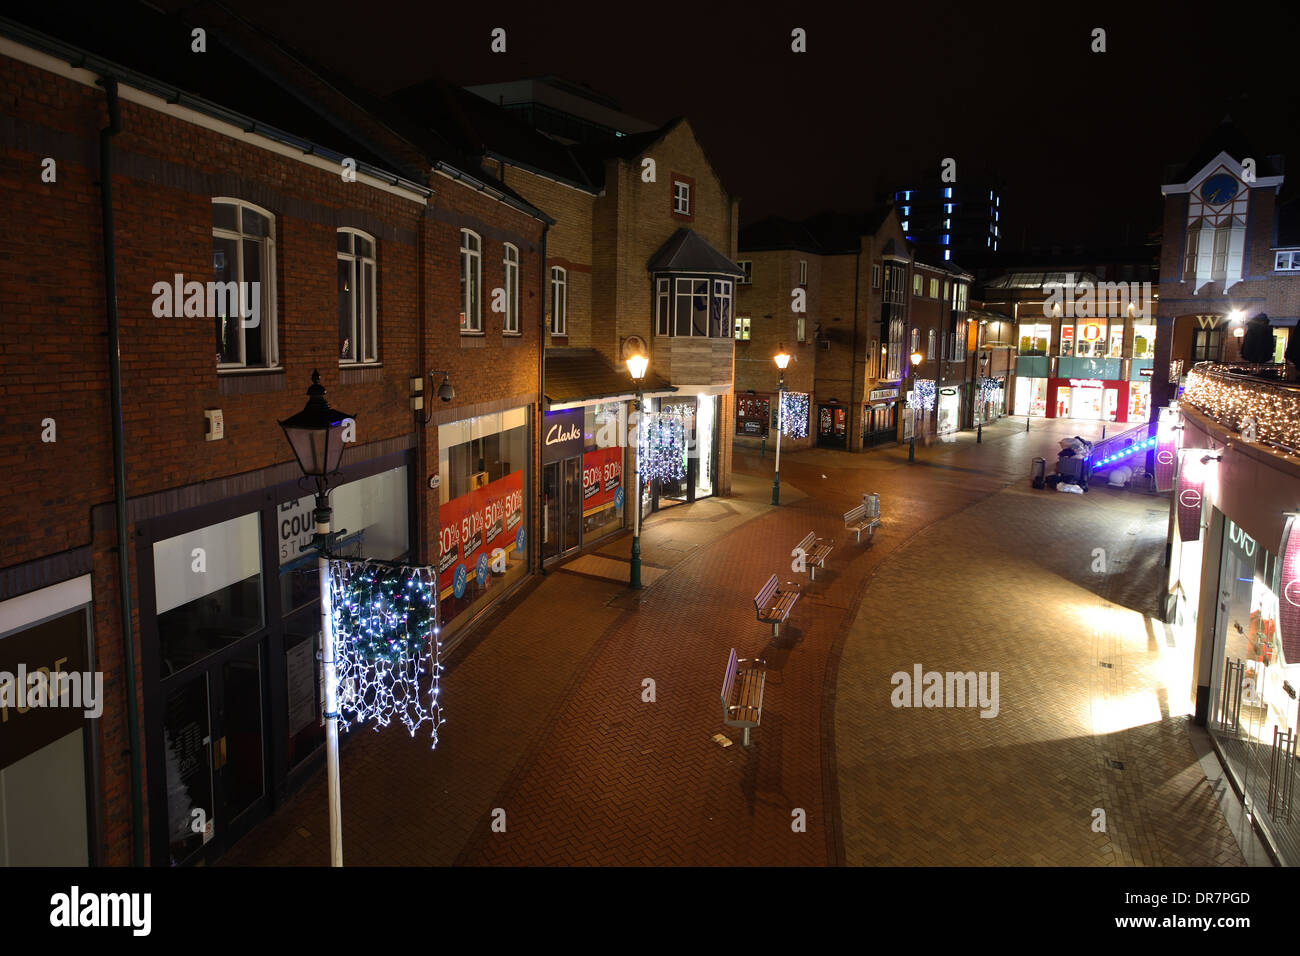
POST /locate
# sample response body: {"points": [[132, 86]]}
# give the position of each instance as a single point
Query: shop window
{"points": [[1116, 349], [602, 469], [1144, 341], [202, 611], [1090, 339]]}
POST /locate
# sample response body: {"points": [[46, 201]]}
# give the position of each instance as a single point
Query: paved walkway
{"points": [[548, 719]]}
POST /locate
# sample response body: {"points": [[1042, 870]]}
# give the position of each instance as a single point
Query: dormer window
{"points": [[681, 198]]}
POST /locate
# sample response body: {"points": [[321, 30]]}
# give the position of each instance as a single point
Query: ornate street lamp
{"points": [[782, 359], [316, 436], [911, 443], [636, 367]]}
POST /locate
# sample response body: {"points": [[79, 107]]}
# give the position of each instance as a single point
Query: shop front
{"points": [[483, 512], [832, 425], [697, 470], [1253, 708], [1087, 399], [948, 411], [1031, 397], [880, 417], [230, 625], [582, 476], [754, 412], [46, 752]]}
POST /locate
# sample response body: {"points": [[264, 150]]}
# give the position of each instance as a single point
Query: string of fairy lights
{"points": [[794, 414], [1275, 410], [386, 641], [665, 449]]}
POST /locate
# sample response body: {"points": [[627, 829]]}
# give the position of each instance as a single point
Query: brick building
{"points": [[1230, 251], [364, 256], [642, 256], [870, 304]]}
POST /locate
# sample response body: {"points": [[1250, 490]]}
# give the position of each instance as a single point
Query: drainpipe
{"points": [[541, 402], [119, 463]]}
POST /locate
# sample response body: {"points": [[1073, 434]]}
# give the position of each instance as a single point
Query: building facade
{"points": [[179, 574]]}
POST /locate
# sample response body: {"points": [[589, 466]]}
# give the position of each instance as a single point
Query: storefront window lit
{"points": [[1035, 339], [1144, 341]]}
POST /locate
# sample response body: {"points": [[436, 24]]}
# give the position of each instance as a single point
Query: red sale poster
{"points": [[477, 523], [602, 474]]}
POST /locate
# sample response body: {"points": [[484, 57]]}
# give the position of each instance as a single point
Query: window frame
{"points": [[681, 196], [742, 330], [1293, 260], [747, 266], [368, 341], [559, 281], [875, 276], [269, 327], [511, 272], [918, 283], [803, 272], [471, 259], [934, 288]]}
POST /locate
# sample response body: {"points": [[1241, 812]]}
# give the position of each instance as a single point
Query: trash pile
{"points": [[1073, 466]]}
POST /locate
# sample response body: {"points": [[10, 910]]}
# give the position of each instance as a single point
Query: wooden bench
{"points": [[857, 521], [815, 551], [742, 693], [773, 603]]}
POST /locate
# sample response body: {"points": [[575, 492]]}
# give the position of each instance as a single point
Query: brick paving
{"points": [[969, 571]]}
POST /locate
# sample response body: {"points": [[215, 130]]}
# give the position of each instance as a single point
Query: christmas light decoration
{"points": [[794, 414], [665, 449], [386, 643], [923, 391], [1229, 399], [988, 387]]}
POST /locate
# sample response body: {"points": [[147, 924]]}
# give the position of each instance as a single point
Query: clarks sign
{"points": [[562, 434]]}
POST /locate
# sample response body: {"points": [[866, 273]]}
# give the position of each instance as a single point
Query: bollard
{"points": [[1103, 432], [1026, 423], [979, 432], [762, 447]]}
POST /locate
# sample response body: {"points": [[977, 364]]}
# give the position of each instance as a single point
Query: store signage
{"points": [[1166, 450], [947, 391], [1146, 372], [1288, 604], [1190, 485], [883, 394], [562, 434], [1085, 383], [51, 648]]}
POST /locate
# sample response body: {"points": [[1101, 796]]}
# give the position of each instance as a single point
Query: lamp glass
{"points": [[316, 433], [782, 359], [916, 358], [636, 366]]}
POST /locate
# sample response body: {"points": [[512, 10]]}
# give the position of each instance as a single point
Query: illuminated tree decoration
{"points": [[988, 387], [665, 449], [386, 643], [923, 389], [794, 414]]}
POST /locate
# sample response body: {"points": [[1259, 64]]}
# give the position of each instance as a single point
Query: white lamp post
{"points": [[782, 359], [316, 436], [636, 366]]}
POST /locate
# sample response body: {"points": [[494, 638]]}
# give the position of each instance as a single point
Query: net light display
{"points": [[665, 449], [794, 414], [386, 644], [923, 390], [1276, 411]]}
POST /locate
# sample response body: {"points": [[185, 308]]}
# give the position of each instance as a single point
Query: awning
{"points": [[581, 376]]}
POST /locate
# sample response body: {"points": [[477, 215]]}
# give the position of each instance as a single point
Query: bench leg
{"points": [[776, 629], [746, 737], [812, 572]]}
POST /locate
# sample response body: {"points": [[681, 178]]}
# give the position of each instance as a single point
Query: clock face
{"points": [[1219, 189]]}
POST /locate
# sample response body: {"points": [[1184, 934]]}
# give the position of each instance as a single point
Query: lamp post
{"points": [[782, 359], [911, 443], [316, 436], [636, 366]]}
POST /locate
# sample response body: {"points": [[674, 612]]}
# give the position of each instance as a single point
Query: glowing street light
{"points": [[636, 367], [782, 359]]}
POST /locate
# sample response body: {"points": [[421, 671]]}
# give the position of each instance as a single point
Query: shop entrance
{"points": [[832, 426], [562, 506], [213, 732], [879, 424]]}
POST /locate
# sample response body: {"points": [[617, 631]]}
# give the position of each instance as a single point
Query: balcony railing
{"points": [[1255, 401]]}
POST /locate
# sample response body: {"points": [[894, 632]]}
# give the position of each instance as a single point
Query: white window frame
{"points": [[742, 328], [663, 307], [723, 292], [929, 346], [803, 271], [875, 276], [748, 266], [801, 327], [681, 197], [510, 266], [918, 283], [366, 340], [559, 300], [1286, 261], [267, 304], [471, 281]]}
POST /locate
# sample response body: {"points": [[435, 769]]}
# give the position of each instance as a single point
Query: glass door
{"points": [[552, 521], [572, 503], [214, 754]]}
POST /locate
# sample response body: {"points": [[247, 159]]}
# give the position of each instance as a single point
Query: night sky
{"points": [[1078, 139]]}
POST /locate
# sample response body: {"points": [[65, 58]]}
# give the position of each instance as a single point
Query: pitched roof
{"points": [[577, 375], [1225, 138], [687, 251], [138, 43], [775, 233]]}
